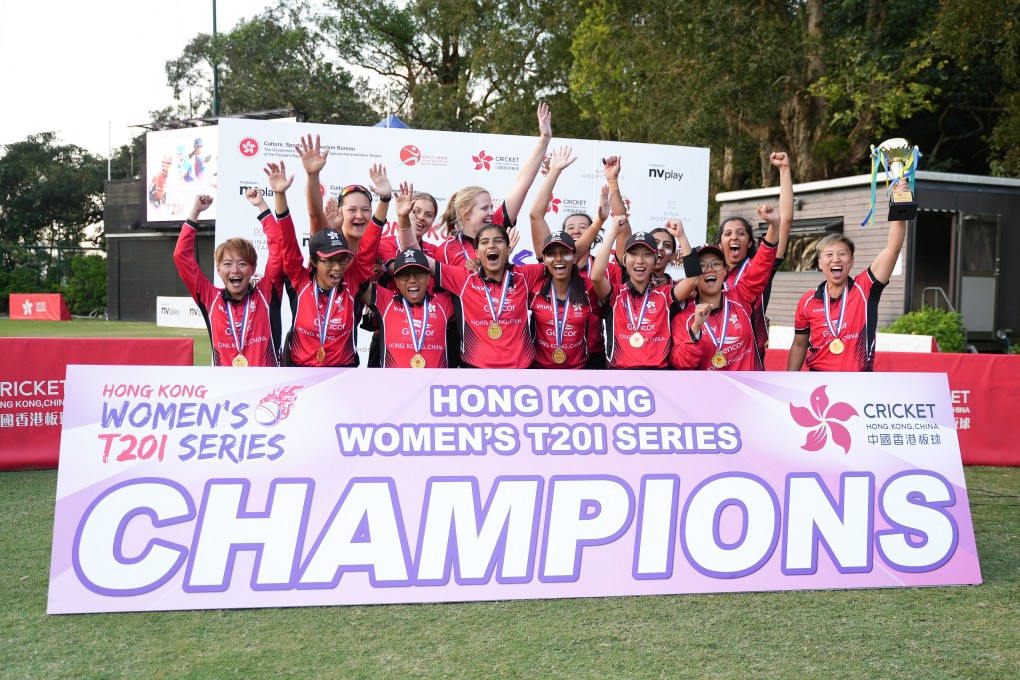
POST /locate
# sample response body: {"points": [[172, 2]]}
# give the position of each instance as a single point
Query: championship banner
{"points": [[658, 182], [218, 488]]}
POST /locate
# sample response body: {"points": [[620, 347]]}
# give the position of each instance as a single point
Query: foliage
{"points": [[275, 60], [85, 291], [21, 273], [945, 326]]}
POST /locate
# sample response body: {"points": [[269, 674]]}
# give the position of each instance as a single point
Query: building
{"points": [[967, 227]]}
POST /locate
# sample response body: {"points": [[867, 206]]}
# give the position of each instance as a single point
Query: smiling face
{"points": [[329, 271], [713, 275], [558, 260], [235, 271], [412, 282], [477, 215], [735, 240], [357, 211], [493, 248], [666, 246], [640, 264], [423, 214], [576, 225], [835, 259]]}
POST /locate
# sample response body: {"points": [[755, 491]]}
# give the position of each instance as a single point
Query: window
{"points": [[801, 252]]}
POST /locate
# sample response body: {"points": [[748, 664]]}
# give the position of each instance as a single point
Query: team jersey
{"points": [[733, 330], [653, 348], [513, 348], [760, 305], [857, 333], [459, 249], [311, 306], [257, 335], [396, 341], [596, 340], [389, 248], [576, 342]]}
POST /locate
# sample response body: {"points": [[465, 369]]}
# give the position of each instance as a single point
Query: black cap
{"points": [[642, 238], [562, 238], [708, 248], [328, 243], [412, 257]]}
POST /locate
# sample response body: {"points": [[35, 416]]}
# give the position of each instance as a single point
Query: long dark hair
{"points": [[751, 247], [578, 293]]}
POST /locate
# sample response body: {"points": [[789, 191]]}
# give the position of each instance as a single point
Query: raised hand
{"points": [[277, 175], [334, 218], [561, 158], [254, 196], [675, 227], [203, 201], [780, 159], [701, 312], [380, 180], [402, 199], [768, 212], [611, 168], [515, 238], [311, 158], [472, 265], [544, 121], [618, 223], [604, 203]]}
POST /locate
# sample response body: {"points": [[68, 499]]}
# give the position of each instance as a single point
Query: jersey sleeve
{"points": [[364, 260], [187, 266], [451, 278], [688, 352], [274, 235], [801, 323], [759, 272], [293, 260]]}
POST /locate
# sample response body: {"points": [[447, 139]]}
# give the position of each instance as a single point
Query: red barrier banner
{"points": [[32, 387], [39, 306], [984, 388]]}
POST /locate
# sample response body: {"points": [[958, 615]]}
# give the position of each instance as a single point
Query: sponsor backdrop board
{"points": [[658, 182], [178, 312], [179, 489], [180, 164]]}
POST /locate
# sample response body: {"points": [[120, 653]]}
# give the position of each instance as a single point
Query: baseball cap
{"points": [[328, 243], [412, 257], [642, 238], [711, 249], [562, 238]]}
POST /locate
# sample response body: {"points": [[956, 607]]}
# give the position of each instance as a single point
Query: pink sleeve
{"points": [[364, 261], [686, 353], [756, 277]]}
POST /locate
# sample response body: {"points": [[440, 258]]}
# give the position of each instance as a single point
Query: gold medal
{"points": [[239, 361], [559, 356], [637, 340], [718, 360], [495, 332], [320, 354], [417, 361], [836, 346]]}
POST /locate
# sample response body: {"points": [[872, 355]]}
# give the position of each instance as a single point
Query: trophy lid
{"points": [[897, 149]]}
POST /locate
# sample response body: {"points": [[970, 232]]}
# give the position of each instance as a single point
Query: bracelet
{"points": [[386, 199]]}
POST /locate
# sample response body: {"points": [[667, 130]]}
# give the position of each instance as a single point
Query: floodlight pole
{"points": [[216, 69]]}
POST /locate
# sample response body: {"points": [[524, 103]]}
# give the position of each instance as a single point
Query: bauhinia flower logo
{"points": [[482, 160], [824, 420], [554, 205]]}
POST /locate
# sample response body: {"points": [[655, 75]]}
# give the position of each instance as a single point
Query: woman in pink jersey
{"points": [[325, 305], [471, 209], [238, 316]]}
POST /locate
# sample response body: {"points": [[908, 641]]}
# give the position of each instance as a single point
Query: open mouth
{"points": [[236, 280], [559, 268], [492, 257], [413, 289], [711, 278], [837, 272]]}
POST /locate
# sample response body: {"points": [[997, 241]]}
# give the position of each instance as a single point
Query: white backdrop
{"points": [[658, 182]]}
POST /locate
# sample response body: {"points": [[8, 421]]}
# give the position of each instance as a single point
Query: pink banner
{"points": [[39, 306], [195, 488]]}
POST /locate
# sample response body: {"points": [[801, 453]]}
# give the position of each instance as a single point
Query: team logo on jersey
{"points": [[276, 405], [824, 420], [248, 147]]}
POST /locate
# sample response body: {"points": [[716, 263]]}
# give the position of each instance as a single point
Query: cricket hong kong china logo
{"points": [[276, 405], [824, 420], [554, 205], [483, 161]]}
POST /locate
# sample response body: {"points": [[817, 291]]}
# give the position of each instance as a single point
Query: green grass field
{"points": [[971, 632]]}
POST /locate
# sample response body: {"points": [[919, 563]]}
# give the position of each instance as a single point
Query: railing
{"points": [[937, 293]]}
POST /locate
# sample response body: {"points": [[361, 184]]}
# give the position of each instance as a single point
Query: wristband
{"points": [[386, 199], [692, 265]]}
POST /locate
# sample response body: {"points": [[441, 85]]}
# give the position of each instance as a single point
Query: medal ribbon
{"points": [[502, 298], [418, 342], [630, 313], [238, 337], [324, 323], [842, 310], [740, 274], [460, 239], [718, 342], [561, 325]]}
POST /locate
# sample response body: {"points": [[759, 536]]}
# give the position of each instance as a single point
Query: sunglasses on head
{"points": [[355, 188]]}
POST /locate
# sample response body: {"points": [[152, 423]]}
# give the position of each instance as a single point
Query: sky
{"points": [[90, 70]]}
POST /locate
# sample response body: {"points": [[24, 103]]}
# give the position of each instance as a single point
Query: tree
{"points": [[272, 61]]}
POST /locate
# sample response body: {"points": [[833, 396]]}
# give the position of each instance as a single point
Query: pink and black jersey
{"points": [[247, 322], [857, 332], [575, 320], [758, 322], [459, 249], [335, 309], [512, 347], [632, 344], [397, 340]]}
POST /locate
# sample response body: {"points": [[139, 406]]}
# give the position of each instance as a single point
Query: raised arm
{"points": [[403, 204], [381, 186], [686, 286], [313, 161], [591, 234], [602, 285], [514, 200], [781, 160], [279, 183], [882, 267], [560, 159], [611, 169]]}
